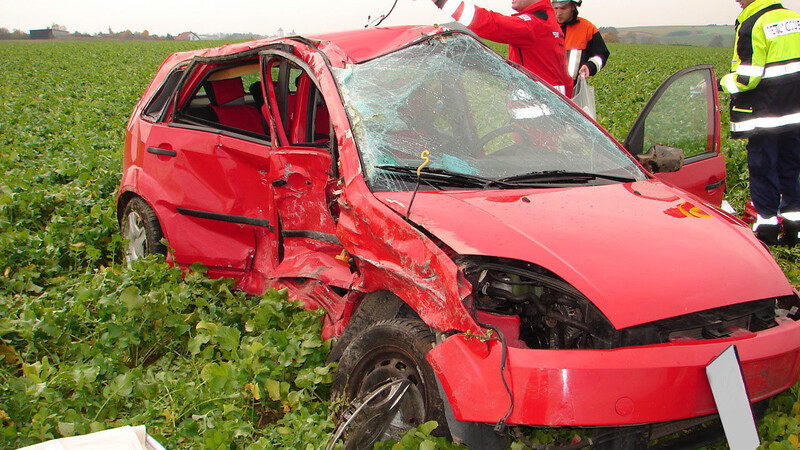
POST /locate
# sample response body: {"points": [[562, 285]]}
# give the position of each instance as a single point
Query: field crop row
{"points": [[88, 344]]}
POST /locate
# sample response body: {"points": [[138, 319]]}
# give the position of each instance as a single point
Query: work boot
{"points": [[791, 233], [767, 230], [791, 229]]}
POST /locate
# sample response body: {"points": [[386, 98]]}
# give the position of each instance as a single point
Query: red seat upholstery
{"points": [[227, 101]]}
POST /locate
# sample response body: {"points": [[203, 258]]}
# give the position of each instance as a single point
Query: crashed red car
{"points": [[456, 219]]}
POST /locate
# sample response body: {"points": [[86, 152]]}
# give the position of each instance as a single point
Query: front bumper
{"points": [[625, 386]]}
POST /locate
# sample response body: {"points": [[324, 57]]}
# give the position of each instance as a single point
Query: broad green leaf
{"points": [[228, 338], [131, 299], [428, 427], [120, 386], [427, 445], [196, 343], [273, 388], [217, 375]]}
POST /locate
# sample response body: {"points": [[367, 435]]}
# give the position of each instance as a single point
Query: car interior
{"points": [[223, 102]]}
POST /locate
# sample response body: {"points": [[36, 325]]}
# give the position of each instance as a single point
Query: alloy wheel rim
{"points": [[136, 234], [412, 407]]}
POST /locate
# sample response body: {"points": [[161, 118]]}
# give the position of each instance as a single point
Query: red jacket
{"points": [[534, 38]]}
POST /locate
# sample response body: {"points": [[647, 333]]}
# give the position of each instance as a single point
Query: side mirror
{"points": [[661, 158]]}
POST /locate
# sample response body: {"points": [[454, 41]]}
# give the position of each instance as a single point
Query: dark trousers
{"points": [[774, 164]]}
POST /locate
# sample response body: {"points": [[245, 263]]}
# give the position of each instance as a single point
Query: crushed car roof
{"points": [[358, 45]]}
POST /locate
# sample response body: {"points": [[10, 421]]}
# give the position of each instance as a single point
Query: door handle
{"points": [[712, 186], [161, 151]]}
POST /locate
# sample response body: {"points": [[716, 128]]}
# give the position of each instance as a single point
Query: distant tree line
{"points": [[16, 34], [701, 36], [6, 34]]}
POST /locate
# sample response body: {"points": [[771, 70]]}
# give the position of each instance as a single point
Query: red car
{"points": [[456, 219]]}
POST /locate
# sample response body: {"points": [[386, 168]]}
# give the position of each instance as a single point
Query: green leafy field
{"points": [[87, 344], [702, 35]]}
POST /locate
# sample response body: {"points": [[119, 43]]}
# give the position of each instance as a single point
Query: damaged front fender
{"points": [[390, 252]]}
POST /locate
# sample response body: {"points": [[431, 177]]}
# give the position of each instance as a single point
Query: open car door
{"points": [[303, 173], [684, 113]]}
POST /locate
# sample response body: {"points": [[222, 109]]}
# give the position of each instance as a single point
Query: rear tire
{"points": [[386, 351], [141, 229]]}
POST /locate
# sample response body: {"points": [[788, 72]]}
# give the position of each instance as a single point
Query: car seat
{"points": [[227, 98]]}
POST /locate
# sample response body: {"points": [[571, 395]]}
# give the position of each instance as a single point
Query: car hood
{"points": [[639, 251]]}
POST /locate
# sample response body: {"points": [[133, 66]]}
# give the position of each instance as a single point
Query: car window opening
{"points": [[301, 109], [228, 99]]}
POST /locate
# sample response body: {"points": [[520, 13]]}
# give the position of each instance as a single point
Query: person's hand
{"points": [[584, 71]]}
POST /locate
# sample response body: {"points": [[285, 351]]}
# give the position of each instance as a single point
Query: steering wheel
{"points": [[507, 129]]}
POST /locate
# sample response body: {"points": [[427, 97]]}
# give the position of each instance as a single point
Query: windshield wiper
{"points": [[562, 176], [438, 175]]}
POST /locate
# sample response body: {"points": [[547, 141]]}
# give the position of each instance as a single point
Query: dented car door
{"points": [[303, 173], [213, 176]]}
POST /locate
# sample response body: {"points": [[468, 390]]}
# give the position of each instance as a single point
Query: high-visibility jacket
{"points": [[585, 46], [534, 38], [764, 82]]}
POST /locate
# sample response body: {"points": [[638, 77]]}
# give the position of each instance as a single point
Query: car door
{"points": [[303, 173], [684, 113], [212, 180]]}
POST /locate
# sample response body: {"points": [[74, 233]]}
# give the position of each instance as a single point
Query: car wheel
{"points": [[386, 352], [141, 229]]}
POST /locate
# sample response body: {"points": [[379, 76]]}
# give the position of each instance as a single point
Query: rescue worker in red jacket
{"points": [[586, 50], [535, 41]]}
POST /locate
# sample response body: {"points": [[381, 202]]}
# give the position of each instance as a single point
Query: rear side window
{"points": [[229, 98], [160, 100]]}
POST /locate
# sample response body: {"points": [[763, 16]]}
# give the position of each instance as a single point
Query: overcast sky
{"points": [[266, 16]]}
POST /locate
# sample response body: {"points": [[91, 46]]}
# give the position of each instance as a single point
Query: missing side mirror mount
{"points": [[661, 158]]}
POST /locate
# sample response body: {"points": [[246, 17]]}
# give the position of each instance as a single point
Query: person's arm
{"points": [[598, 54], [752, 56], [515, 30]]}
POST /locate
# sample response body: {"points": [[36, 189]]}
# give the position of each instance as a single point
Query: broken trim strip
{"points": [[316, 235], [227, 218]]}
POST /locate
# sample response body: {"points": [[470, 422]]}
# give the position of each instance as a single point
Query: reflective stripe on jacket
{"points": [[534, 38], [764, 82], [585, 45]]}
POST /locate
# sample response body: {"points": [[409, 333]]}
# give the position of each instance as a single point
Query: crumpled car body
{"points": [[415, 164]]}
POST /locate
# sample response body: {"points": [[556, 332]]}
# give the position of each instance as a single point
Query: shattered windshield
{"points": [[473, 120]]}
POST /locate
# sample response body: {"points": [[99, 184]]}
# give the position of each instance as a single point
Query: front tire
{"points": [[387, 351], [141, 229]]}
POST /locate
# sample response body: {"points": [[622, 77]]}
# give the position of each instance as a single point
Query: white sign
{"points": [[730, 394]]}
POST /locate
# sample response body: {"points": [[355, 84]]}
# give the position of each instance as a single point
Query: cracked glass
{"points": [[460, 109]]}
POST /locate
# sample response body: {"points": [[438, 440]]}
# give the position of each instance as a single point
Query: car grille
{"points": [[712, 324]]}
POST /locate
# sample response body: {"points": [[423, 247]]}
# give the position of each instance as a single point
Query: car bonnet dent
{"points": [[605, 251]]}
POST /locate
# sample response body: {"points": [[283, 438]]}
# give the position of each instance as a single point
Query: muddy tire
{"points": [[141, 230], [386, 351]]}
